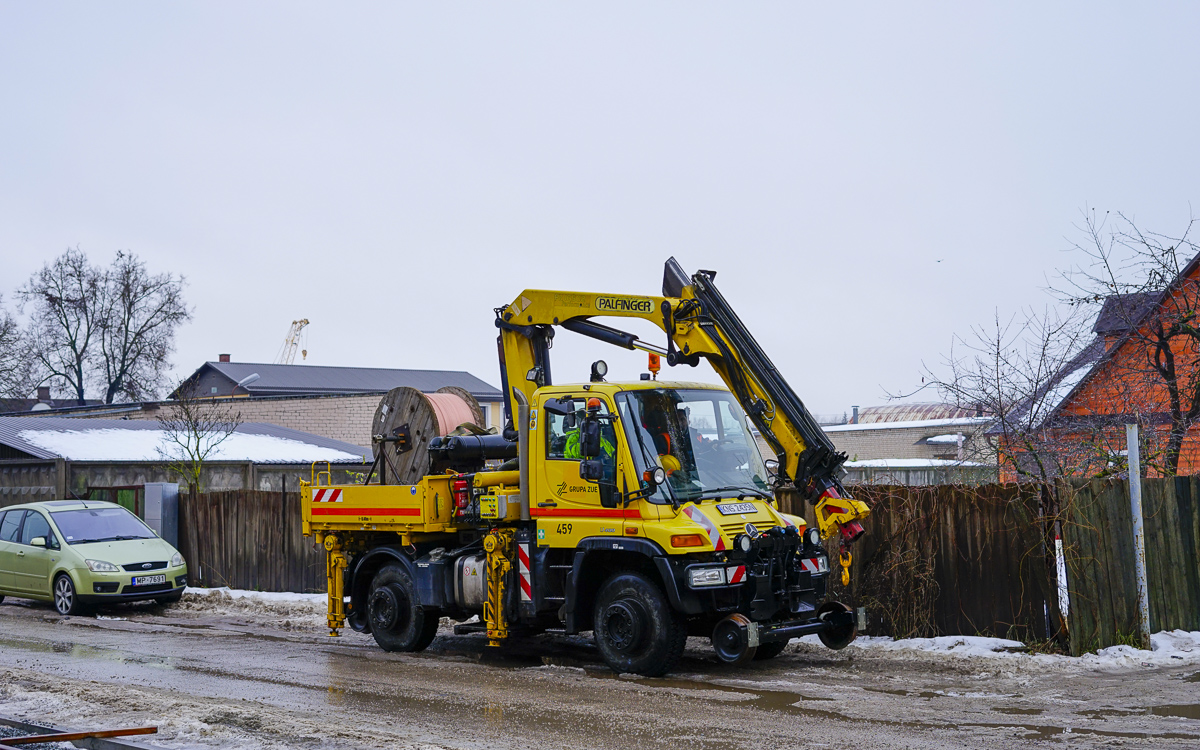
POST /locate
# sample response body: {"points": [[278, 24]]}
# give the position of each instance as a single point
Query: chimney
{"points": [[43, 393], [223, 357], [854, 416]]}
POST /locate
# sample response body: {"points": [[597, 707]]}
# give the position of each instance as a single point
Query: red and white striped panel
{"points": [[523, 571], [327, 496], [714, 534], [810, 564], [735, 574]]}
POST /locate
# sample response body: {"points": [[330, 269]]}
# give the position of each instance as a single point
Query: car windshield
{"points": [[108, 523], [701, 438]]}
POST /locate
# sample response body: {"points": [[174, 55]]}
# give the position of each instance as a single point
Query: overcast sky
{"points": [[867, 179]]}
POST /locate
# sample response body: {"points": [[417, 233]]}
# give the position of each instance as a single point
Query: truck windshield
{"points": [[107, 523], [701, 438]]}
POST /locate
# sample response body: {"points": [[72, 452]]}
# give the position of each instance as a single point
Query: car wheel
{"points": [[398, 621], [169, 598], [769, 650], [66, 601], [635, 628]]}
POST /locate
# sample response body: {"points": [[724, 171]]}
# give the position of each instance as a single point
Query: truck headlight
{"points": [[99, 566], [176, 560], [822, 564], [813, 535], [701, 577]]}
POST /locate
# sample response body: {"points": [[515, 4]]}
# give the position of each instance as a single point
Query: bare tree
{"points": [[194, 428], [1017, 372], [113, 329], [64, 324], [139, 314], [15, 370], [1155, 366]]}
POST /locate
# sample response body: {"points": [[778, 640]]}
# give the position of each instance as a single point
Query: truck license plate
{"points": [[731, 509], [147, 580]]}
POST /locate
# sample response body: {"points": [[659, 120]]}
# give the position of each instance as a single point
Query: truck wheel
{"points": [[769, 650], [398, 621], [636, 629]]}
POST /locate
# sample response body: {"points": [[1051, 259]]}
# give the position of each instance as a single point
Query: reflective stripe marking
{"points": [[736, 574], [523, 557], [714, 534], [327, 496], [366, 511], [810, 564]]}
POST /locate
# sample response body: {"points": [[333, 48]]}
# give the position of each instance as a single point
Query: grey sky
{"points": [[866, 179]]}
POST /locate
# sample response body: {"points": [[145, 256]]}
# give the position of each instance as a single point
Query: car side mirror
{"points": [[38, 541]]}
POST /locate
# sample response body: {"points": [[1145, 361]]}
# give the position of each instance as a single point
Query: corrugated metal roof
{"points": [[300, 379], [36, 436], [911, 413]]}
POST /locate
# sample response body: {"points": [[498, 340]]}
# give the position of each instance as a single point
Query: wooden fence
{"points": [[1098, 545], [249, 540], [952, 560], [935, 560]]}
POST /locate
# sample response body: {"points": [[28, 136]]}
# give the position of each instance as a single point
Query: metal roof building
{"points": [[222, 379]]}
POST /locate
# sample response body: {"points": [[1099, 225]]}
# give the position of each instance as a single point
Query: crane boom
{"points": [[699, 324], [287, 353]]}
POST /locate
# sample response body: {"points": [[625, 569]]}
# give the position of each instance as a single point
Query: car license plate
{"points": [[148, 580], [731, 509]]}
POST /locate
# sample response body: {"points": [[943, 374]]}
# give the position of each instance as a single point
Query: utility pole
{"points": [[1139, 538]]}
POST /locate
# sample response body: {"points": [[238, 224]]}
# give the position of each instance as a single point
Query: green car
{"points": [[78, 553]]}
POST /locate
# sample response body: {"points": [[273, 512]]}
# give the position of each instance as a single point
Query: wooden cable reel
{"points": [[428, 415]]}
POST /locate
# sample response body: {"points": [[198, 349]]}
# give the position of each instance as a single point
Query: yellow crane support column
{"points": [[335, 568], [499, 548]]}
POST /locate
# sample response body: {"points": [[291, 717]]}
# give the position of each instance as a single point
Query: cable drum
{"points": [[428, 416]]}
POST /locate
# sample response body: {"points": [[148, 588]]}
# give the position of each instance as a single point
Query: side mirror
{"points": [[563, 407], [38, 541], [589, 437], [591, 470], [772, 467]]}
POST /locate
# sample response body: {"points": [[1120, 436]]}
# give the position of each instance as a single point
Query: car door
{"points": [[31, 569], [10, 525]]}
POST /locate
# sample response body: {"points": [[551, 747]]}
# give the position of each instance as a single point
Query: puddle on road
{"points": [[1192, 678], [80, 651], [1018, 711], [1185, 711]]}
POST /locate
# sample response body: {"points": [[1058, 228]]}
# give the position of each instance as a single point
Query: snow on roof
{"points": [[907, 463], [135, 440], [955, 422], [947, 439]]}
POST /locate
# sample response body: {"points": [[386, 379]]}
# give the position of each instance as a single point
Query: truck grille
{"points": [[739, 527], [139, 567]]}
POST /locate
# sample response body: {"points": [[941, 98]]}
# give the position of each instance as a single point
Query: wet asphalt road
{"points": [[246, 679]]}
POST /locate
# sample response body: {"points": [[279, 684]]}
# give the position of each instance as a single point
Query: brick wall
{"points": [[888, 440]]}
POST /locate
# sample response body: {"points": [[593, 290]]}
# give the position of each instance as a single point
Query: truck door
{"points": [[567, 507]]}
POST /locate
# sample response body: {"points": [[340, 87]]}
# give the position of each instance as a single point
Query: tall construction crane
{"points": [[287, 353]]}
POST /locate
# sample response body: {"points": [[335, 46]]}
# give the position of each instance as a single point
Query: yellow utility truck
{"points": [[643, 511]]}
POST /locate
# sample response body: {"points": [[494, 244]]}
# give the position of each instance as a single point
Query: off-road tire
{"points": [[635, 628], [398, 622], [169, 598], [769, 650], [66, 598]]}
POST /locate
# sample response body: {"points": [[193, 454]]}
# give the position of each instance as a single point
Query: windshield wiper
{"points": [[109, 539], [743, 490]]}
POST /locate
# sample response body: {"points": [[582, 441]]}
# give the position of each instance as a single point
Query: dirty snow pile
{"points": [[1169, 649], [308, 608]]}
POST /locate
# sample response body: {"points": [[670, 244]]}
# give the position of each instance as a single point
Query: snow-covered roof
{"points": [[144, 440], [947, 439], [908, 463], [955, 422]]}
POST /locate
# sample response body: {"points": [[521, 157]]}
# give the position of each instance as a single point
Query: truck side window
{"points": [[562, 433]]}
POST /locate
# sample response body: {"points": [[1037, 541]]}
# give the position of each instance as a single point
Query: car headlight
{"points": [[99, 566], [176, 560], [701, 577]]}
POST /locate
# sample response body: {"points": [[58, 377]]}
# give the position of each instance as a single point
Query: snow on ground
{"points": [[301, 609], [1169, 649]]}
